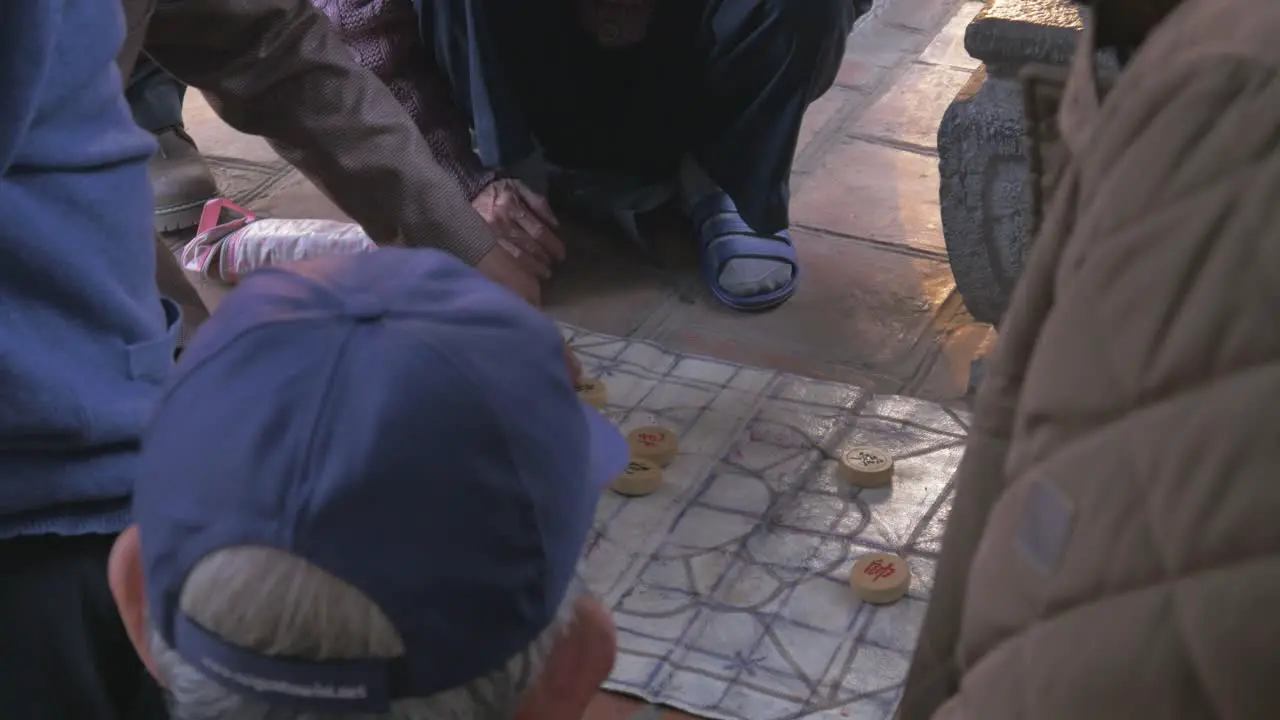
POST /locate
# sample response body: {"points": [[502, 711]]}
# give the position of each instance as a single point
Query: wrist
{"points": [[475, 182]]}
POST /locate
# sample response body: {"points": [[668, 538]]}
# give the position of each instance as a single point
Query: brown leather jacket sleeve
{"points": [[276, 69]]}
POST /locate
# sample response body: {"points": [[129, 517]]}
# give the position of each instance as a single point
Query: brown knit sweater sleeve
{"points": [[383, 37], [277, 69]]}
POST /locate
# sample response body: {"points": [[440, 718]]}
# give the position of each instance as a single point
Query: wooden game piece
{"points": [[880, 578], [641, 477], [593, 392], [654, 443], [866, 466]]}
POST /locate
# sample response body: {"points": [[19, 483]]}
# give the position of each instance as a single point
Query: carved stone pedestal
{"points": [[986, 182]]}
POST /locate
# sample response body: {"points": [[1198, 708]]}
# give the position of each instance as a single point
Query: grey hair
{"points": [[278, 604]]}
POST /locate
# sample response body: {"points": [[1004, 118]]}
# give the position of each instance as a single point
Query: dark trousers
{"points": [[727, 81], [63, 650], [154, 96]]}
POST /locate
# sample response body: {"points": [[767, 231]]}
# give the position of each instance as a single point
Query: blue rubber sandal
{"points": [[723, 236]]}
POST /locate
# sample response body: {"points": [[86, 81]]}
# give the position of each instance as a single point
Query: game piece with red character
{"points": [[880, 578], [653, 443]]}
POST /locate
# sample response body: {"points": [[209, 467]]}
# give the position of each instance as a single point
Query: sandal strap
{"points": [[722, 224], [718, 203], [738, 247]]}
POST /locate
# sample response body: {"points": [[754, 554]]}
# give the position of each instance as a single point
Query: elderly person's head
{"points": [[365, 495]]}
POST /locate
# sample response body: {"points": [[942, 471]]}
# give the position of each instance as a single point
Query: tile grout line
{"points": [[898, 248], [914, 149], [888, 76]]}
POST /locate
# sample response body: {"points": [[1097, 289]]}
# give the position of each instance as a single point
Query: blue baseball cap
{"points": [[402, 423]]}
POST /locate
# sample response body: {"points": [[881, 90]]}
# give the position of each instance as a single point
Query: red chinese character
{"points": [[648, 439], [879, 569]]}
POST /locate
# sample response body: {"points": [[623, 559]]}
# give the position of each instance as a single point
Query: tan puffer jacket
{"points": [[1114, 548]]}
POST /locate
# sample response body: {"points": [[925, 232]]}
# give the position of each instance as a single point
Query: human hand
{"points": [[502, 268], [524, 224]]}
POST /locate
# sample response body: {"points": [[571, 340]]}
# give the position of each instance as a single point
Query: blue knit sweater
{"points": [[85, 341]]}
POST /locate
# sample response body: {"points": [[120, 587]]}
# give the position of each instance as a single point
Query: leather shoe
{"points": [[180, 180]]}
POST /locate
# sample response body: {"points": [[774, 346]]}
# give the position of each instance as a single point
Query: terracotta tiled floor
{"points": [[877, 305]]}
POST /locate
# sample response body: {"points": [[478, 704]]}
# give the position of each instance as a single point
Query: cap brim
{"points": [[609, 450]]}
